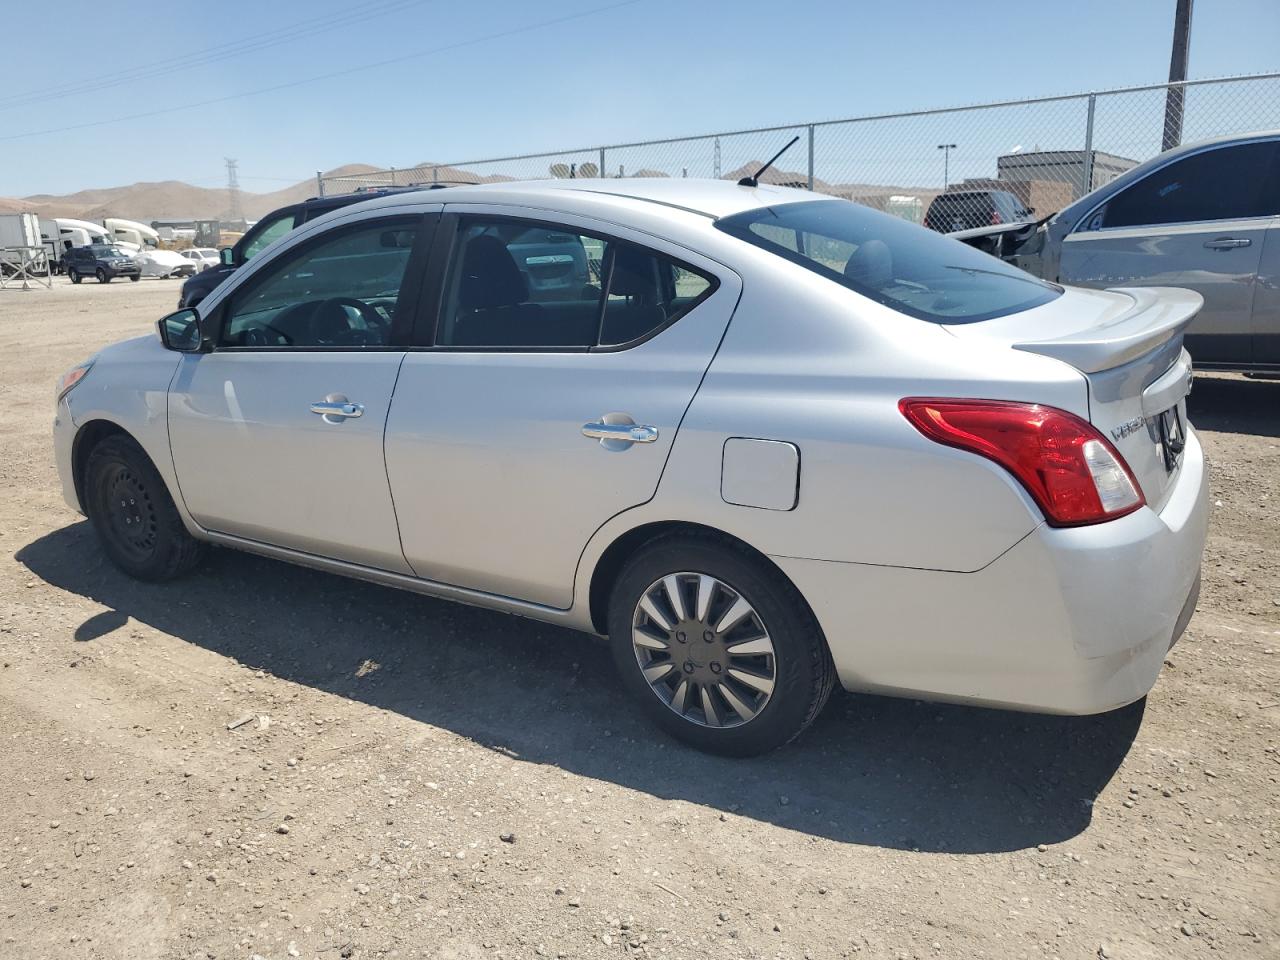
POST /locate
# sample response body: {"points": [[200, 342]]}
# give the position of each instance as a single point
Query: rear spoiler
{"points": [[1157, 316]]}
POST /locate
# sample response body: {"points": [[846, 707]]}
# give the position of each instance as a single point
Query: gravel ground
{"points": [[421, 779]]}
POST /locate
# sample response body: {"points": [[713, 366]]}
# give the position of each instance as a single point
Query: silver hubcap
{"points": [[703, 649]]}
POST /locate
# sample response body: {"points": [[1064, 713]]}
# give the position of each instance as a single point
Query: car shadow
{"points": [[872, 770], [1235, 404]]}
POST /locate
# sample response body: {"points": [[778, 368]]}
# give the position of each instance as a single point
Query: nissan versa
{"points": [[761, 439]]}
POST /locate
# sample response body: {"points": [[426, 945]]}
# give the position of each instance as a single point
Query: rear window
{"points": [[896, 263]]}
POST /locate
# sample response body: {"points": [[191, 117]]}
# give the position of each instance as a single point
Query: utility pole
{"points": [[715, 162], [1175, 98], [946, 149], [233, 191]]}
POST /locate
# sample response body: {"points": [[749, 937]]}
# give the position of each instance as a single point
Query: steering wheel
{"points": [[371, 316], [257, 336]]}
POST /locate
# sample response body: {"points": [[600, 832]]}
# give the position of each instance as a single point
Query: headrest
{"points": [[634, 275], [871, 265], [490, 277]]}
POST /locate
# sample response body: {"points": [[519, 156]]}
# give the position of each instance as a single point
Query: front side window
{"points": [[272, 231], [915, 271], [517, 284], [341, 290], [1228, 183]]}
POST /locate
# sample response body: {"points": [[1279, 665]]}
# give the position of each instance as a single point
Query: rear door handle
{"points": [[338, 409], [1227, 243], [626, 432]]}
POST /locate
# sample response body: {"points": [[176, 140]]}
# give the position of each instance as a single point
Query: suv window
{"points": [[340, 291], [270, 232], [1227, 183], [917, 272], [518, 284]]}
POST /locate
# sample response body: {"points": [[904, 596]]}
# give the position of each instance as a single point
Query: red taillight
{"points": [[1068, 467], [995, 217]]}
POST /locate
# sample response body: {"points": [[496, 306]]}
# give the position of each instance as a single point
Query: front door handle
{"points": [[1227, 243], [338, 409], [623, 432]]}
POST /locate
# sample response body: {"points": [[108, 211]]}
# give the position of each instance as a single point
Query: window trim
{"points": [[445, 252], [408, 301], [1079, 228]]}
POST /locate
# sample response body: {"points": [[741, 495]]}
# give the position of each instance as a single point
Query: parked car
{"points": [[966, 209], [263, 233], [202, 257], [164, 264], [105, 261], [785, 440], [1203, 217]]}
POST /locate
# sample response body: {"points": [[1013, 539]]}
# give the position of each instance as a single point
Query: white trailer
{"points": [[22, 252], [80, 233], [131, 233]]}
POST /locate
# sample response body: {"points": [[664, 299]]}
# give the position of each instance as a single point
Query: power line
{"points": [[461, 44], [157, 68]]}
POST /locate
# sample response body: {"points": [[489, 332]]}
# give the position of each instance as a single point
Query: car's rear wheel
{"points": [[719, 647], [135, 278], [102, 275], [133, 514], [74, 275]]}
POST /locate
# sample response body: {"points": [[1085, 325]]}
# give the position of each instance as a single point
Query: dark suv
{"points": [[267, 230], [105, 261], [967, 209]]}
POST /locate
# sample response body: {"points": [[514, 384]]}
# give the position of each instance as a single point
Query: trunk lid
{"points": [[1127, 344]]}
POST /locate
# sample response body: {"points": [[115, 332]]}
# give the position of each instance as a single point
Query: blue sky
{"points": [[498, 83]]}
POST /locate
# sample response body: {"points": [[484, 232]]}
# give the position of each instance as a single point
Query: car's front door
{"points": [[563, 360], [277, 433], [1198, 222]]}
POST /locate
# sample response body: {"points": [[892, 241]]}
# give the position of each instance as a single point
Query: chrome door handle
{"points": [[1227, 243], [340, 409], [626, 432]]}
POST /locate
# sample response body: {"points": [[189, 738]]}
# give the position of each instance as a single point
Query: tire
{"points": [[135, 278], [133, 514], [102, 275], [74, 275], [797, 661]]}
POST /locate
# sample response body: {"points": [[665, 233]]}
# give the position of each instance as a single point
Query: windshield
{"points": [[916, 271], [102, 250]]}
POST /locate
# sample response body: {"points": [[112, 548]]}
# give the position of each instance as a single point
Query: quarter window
{"points": [[339, 292], [1228, 183], [516, 284]]}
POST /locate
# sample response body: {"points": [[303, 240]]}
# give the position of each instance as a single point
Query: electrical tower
{"points": [[233, 191]]}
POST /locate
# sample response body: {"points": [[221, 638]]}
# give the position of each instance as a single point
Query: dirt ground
{"points": [[421, 779]]}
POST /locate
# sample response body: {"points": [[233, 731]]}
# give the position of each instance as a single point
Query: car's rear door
{"points": [[493, 446], [1199, 222], [277, 433]]}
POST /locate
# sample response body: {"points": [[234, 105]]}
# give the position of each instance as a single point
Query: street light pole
{"points": [[1175, 97], [946, 149]]}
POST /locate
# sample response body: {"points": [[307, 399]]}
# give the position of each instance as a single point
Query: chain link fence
{"points": [[990, 163]]}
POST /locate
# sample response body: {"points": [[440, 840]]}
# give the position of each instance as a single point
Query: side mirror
{"points": [[227, 257], [181, 332]]}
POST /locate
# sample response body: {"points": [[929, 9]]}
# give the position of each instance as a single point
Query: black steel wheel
{"points": [[133, 514]]}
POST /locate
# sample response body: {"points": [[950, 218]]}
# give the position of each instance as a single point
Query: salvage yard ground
{"points": [[421, 779]]}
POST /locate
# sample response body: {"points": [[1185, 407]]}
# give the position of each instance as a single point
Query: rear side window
{"points": [[915, 271], [521, 285], [1228, 183]]}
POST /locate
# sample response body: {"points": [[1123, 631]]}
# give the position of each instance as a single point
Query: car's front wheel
{"points": [[133, 514], [719, 647], [135, 278], [102, 275]]}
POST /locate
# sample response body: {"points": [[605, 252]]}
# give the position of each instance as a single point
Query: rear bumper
{"points": [[1072, 621]]}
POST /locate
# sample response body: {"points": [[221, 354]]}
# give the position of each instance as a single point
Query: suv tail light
{"points": [[995, 217], [1071, 471]]}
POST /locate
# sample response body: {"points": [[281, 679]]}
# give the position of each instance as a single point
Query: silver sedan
{"points": [[761, 439]]}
